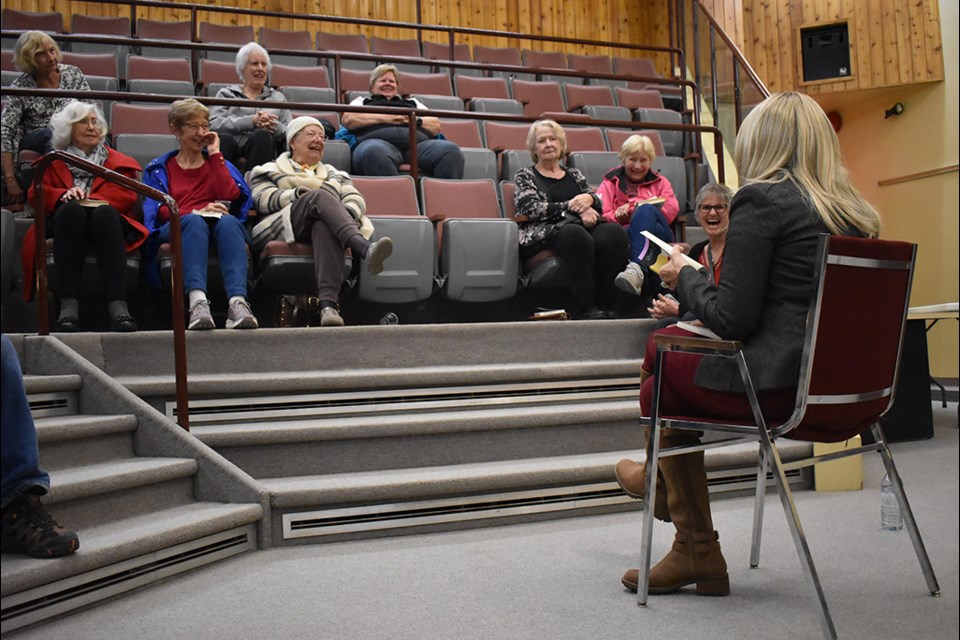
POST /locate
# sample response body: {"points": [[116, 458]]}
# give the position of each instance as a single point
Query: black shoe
{"points": [[123, 324], [593, 313], [27, 527], [67, 324]]}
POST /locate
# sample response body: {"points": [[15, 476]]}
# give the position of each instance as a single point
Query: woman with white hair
{"points": [[82, 209], [794, 190], [25, 119], [255, 134]]}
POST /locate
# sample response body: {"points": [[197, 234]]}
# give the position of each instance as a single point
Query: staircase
{"points": [[370, 431], [147, 500]]}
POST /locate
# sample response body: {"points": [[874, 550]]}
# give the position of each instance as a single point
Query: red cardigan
{"points": [[57, 180]]}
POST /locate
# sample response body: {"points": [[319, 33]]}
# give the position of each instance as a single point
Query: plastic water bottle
{"points": [[390, 319], [890, 517]]}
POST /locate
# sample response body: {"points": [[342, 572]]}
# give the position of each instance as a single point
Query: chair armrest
{"points": [[690, 343]]}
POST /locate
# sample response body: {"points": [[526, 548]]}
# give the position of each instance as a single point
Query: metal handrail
{"points": [[39, 215], [412, 114]]}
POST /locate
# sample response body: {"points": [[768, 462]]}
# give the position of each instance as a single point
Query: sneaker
{"points": [[377, 253], [630, 279], [200, 317], [239, 316], [27, 527], [330, 317]]}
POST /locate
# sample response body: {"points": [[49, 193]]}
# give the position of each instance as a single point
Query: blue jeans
{"points": [[231, 237], [647, 217], [382, 152], [20, 455]]}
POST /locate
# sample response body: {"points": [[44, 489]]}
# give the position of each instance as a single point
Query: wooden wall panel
{"points": [[609, 20], [892, 42]]}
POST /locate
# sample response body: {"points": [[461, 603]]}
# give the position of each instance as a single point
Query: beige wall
{"points": [[925, 137]]}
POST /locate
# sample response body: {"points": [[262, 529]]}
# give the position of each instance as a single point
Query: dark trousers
{"points": [[74, 227], [590, 259], [256, 147], [321, 219]]}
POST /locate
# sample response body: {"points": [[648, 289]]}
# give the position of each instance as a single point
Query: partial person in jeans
{"points": [[83, 209], [25, 525], [381, 141], [640, 199], [252, 134], [303, 200], [26, 119], [213, 200], [562, 214]]}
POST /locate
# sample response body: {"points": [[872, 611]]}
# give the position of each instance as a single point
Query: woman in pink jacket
{"points": [[640, 199]]}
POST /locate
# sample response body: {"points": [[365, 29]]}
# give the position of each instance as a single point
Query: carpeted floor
{"points": [[560, 579]]}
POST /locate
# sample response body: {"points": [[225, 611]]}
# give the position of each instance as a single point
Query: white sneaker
{"points": [[200, 317], [239, 316], [630, 279]]}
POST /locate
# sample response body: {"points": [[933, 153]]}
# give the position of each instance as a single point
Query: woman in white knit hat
{"points": [[303, 200]]}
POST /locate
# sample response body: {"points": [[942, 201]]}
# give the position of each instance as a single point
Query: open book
{"points": [[698, 329], [91, 202], [656, 200], [668, 249]]}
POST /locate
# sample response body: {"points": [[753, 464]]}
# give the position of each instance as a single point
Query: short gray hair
{"points": [[383, 70], [714, 189], [61, 123], [243, 57]]}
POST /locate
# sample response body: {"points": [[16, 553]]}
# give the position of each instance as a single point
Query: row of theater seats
{"points": [[238, 35], [455, 237]]}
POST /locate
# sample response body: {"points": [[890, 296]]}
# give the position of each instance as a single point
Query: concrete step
{"points": [[125, 555], [343, 445], [97, 494], [74, 440]]}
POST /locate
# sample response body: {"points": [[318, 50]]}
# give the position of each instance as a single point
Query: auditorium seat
{"points": [[102, 26], [600, 112], [673, 141], [353, 80], [163, 30], [435, 84], [7, 77], [291, 41], [408, 48], [501, 56], [585, 139], [470, 87], [159, 69], [509, 141], [579, 96], [645, 67], [93, 64], [136, 118], [282, 75], [216, 72], [335, 152], [479, 162], [538, 97], [101, 83], [594, 164], [6, 61], [503, 106], [144, 147], [318, 95], [545, 60], [170, 87], [639, 98], [616, 138], [344, 43], [13, 20], [441, 51], [440, 103], [479, 249], [236, 35], [594, 65], [408, 274]]}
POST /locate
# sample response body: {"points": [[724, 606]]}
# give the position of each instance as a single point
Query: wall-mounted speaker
{"points": [[825, 51]]}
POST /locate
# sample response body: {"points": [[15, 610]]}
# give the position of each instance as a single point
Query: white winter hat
{"points": [[297, 124]]}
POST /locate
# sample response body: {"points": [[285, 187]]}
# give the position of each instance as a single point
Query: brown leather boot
{"points": [[632, 478], [694, 558]]}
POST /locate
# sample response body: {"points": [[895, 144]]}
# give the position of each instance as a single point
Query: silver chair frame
{"points": [[769, 454]]}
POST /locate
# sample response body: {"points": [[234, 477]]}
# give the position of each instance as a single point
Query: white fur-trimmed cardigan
{"points": [[276, 185]]}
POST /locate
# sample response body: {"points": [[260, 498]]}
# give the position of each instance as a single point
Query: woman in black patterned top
{"points": [[562, 214], [25, 121]]}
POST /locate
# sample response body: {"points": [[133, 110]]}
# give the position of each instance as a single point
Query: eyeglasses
{"points": [[719, 208], [193, 126]]}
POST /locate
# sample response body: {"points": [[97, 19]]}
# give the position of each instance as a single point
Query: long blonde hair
{"points": [[788, 137]]}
